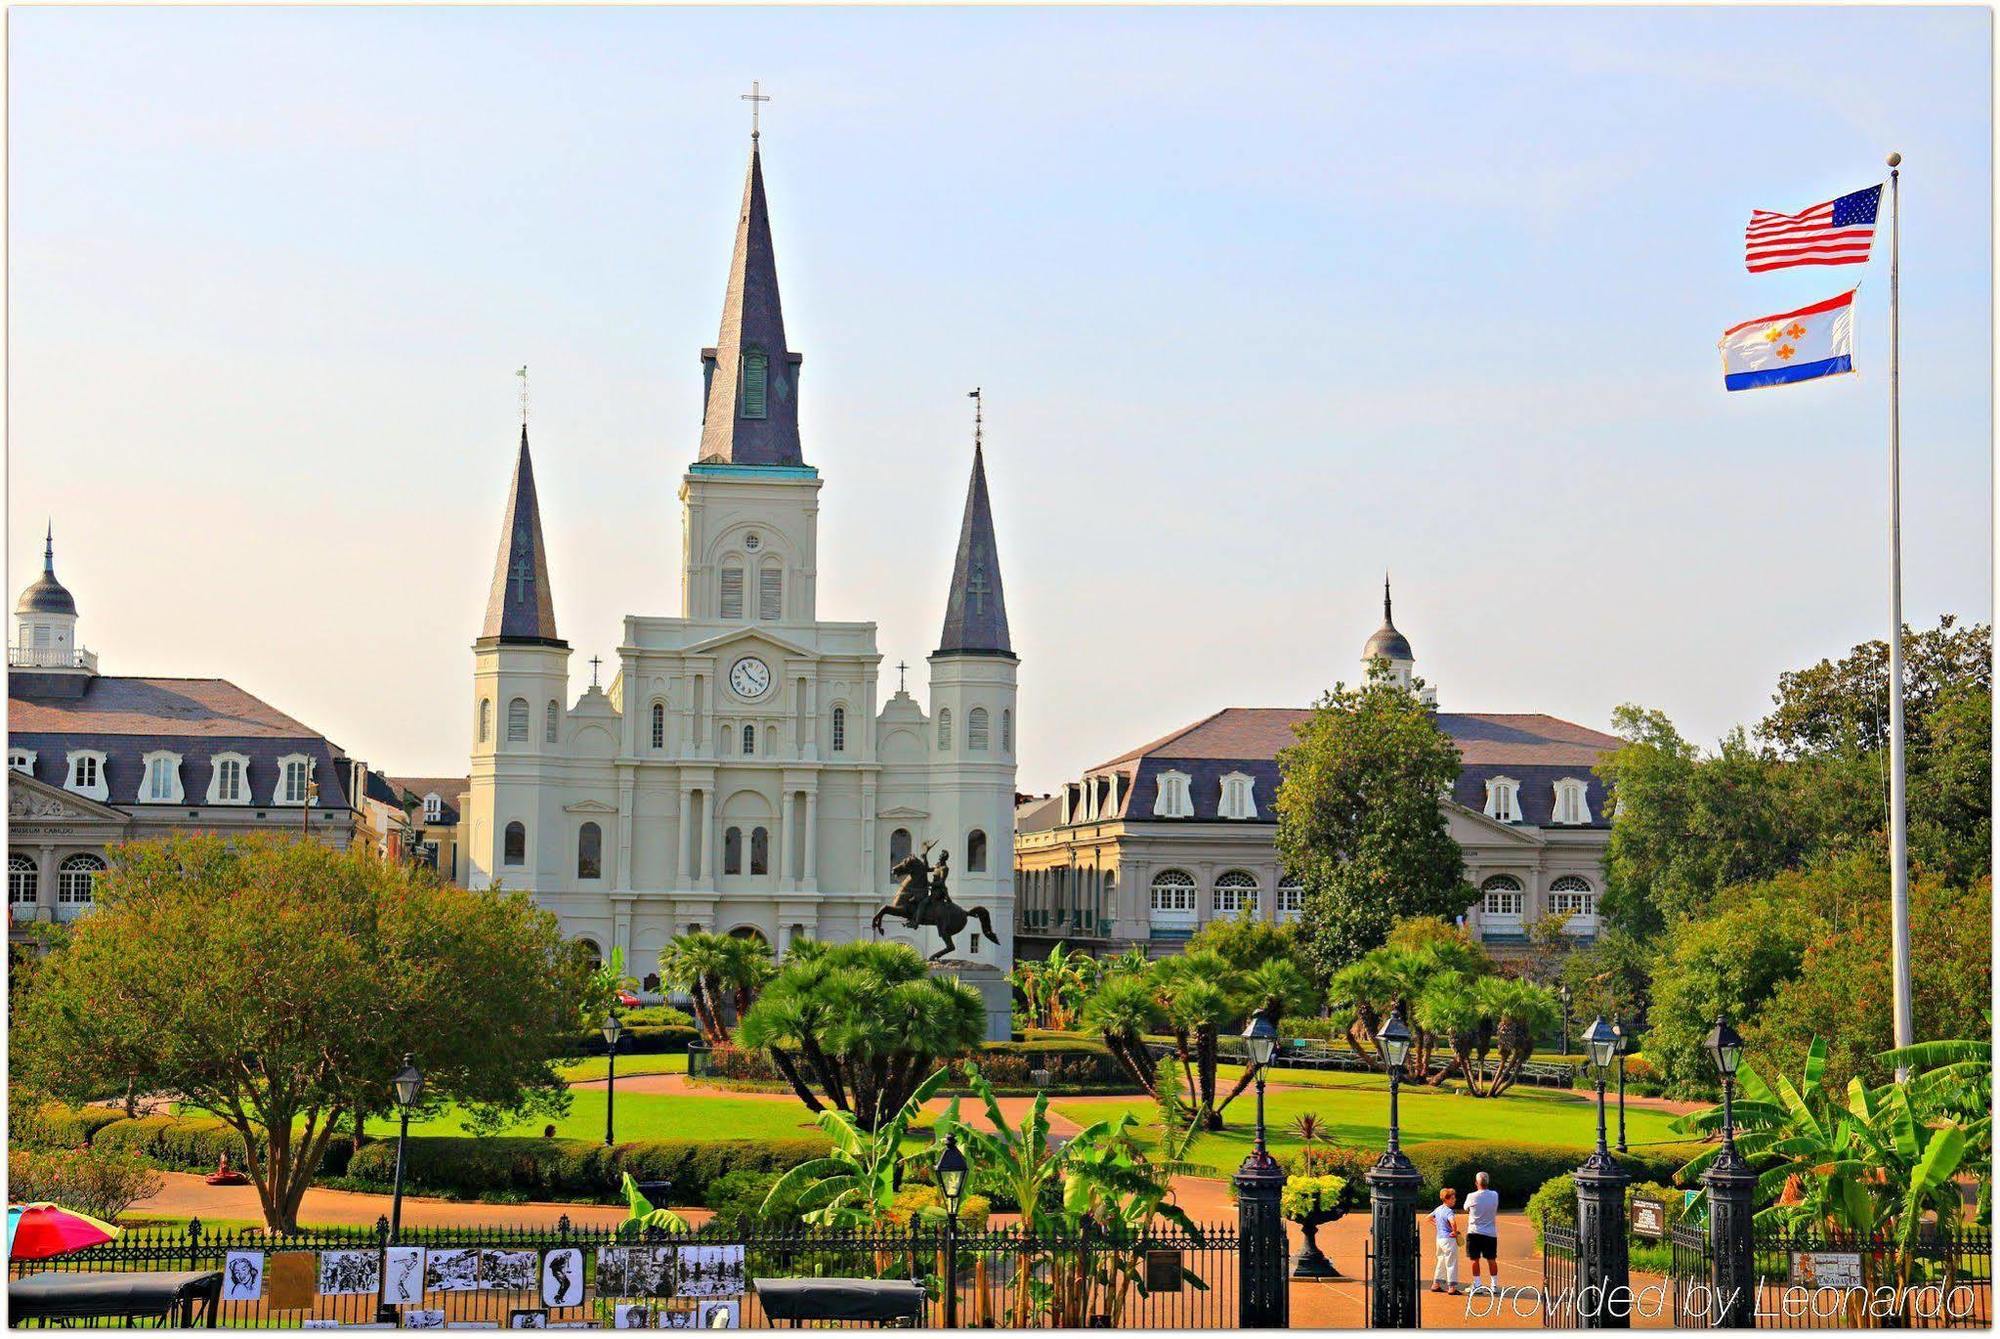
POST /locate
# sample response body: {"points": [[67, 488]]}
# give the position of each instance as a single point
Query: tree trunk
{"points": [[824, 1069], [1205, 1049], [791, 1072], [1130, 1048], [132, 1098]]}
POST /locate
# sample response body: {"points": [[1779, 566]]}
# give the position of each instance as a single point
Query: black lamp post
{"points": [[613, 1030], [1562, 993], [1624, 1048], [409, 1085], [1604, 1284], [951, 1170], [1263, 1299], [1731, 1184], [1392, 1202]]}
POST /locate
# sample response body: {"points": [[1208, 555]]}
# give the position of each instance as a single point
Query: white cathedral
{"points": [[741, 774]]}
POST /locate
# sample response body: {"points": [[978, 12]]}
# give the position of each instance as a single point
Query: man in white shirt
{"points": [[1445, 1278], [1482, 1232]]}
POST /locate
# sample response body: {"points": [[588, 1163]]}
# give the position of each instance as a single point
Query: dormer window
{"points": [[21, 760], [433, 809], [1572, 801], [163, 777], [1238, 799], [294, 779], [87, 775], [1503, 799], [1173, 799], [756, 377], [229, 779]]}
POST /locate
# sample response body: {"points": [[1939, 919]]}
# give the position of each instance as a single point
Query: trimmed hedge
{"points": [[197, 1143], [559, 1169], [640, 1039], [55, 1126], [1517, 1171]]}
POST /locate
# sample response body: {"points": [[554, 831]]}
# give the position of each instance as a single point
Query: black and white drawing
{"points": [[677, 1320], [453, 1271], [344, 1272], [508, 1271], [630, 1316], [403, 1276], [711, 1271], [316, 1323], [562, 1277], [721, 1316], [635, 1271], [243, 1276], [527, 1318], [423, 1320]]}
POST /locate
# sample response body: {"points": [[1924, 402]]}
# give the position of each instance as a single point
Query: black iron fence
{"points": [[1000, 1277], [1827, 1279]]}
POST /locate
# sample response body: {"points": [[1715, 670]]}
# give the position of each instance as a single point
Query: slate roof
{"points": [[446, 788], [521, 607], [126, 718], [752, 319], [1534, 749], [975, 612]]}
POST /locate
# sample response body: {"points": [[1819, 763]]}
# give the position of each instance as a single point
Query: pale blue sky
{"points": [[1263, 301]]}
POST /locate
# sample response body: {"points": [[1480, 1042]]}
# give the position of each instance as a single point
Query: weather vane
{"points": [[978, 416], [522, 373], [755, 97]]}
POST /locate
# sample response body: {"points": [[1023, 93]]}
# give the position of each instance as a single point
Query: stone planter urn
{"points": [[1310, 1262]]}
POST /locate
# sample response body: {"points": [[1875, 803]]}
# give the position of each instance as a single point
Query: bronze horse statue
{"points": [[923, 899]]}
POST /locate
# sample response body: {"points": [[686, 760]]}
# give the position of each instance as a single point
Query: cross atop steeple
{"points": [[595, 661], [523, 375], [755, 97], [902, 672]]}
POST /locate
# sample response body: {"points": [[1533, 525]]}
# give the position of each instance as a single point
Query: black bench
{"points": [[169, 1297], [876, 1301]]}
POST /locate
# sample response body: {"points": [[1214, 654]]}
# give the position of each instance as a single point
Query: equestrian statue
{"points": [[923, 899]]}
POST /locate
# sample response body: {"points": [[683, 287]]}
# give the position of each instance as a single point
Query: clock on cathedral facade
{"points": [[742, 773]]}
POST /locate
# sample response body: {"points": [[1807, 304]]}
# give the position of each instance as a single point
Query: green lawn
{"points": [[1354, 1108], [648, 1116], [593, 1066]]}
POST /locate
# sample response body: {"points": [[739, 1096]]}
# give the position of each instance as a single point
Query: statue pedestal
{"points": [[991, 983]]}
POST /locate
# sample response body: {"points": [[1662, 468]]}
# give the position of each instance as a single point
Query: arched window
{"points": [[517, 721], [1238, 796], [1173, 898], [771, 593], [756, 373], [1006, 730], [899, 847], [1572, 898], [840, 729], [24, 879], [1291, 898], [659, 725], [514, 844], [944, 729], [749, 740], [1503, 799], [975, 852], [975, 730], [731, 604], [732, 851], [1234, 891], [554, 724], [760, 851], [1501, 900], [76, 880], [433, 809], [485, 719], [1171, 796], [590, 852], [593, 953]]}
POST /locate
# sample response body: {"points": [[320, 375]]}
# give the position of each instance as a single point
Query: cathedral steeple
{"points": [[975, 613], [752, 415], [521, 607]]}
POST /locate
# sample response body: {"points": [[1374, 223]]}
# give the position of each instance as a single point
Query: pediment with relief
{"points": [[590, 807], [32, 801]]}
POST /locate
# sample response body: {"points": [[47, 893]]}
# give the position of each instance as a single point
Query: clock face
{"points": [[750, 677]]}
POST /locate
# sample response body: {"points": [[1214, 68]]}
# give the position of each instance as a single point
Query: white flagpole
{"points": [[1899, 839]]}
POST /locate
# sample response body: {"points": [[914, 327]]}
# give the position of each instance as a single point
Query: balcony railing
{"points": [[51, 657], [1073, 922]]}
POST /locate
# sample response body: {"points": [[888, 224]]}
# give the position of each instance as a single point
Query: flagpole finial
{"points": [[1895, 160]]}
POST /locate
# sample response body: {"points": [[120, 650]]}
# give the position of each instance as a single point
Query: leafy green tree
{"points": [[1245, 940], [1359, 822], [1612, 978], [1490, 1024], [1363, 995], [1951, 798], [278, 985], [868, 1023], [1841, 703]]}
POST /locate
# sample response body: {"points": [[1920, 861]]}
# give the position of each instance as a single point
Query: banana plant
{"points": [[855, 1184]]}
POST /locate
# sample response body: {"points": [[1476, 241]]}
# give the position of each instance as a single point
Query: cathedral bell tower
{"points": [[520, 686]]}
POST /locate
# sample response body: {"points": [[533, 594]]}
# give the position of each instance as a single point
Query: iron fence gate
{"points": [[1824, 1279], [1162, 1279], [1559, 1277]]}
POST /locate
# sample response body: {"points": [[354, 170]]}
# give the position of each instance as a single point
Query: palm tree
{"points": [[1277, 988], [1123, 1009], [698, 962], [1201, 994]]}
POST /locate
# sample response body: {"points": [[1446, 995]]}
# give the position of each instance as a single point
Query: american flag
{"points": [[1835, 233]]}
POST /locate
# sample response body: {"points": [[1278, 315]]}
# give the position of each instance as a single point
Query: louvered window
{"points": [[976, 729], [756, 371], [732, 592], [517, 721], [771, 594], [944, 730]]}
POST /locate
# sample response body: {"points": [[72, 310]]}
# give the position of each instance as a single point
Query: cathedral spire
{"points": [[752, 417], [975, 613], [521, 608]]}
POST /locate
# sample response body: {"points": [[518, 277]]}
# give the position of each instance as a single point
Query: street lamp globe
{"points": [[1394, 1038], [951, 1170], [613, 1030], [409, 1083], [1260, 1039], [1602, 1041], [1724, 1047]]}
